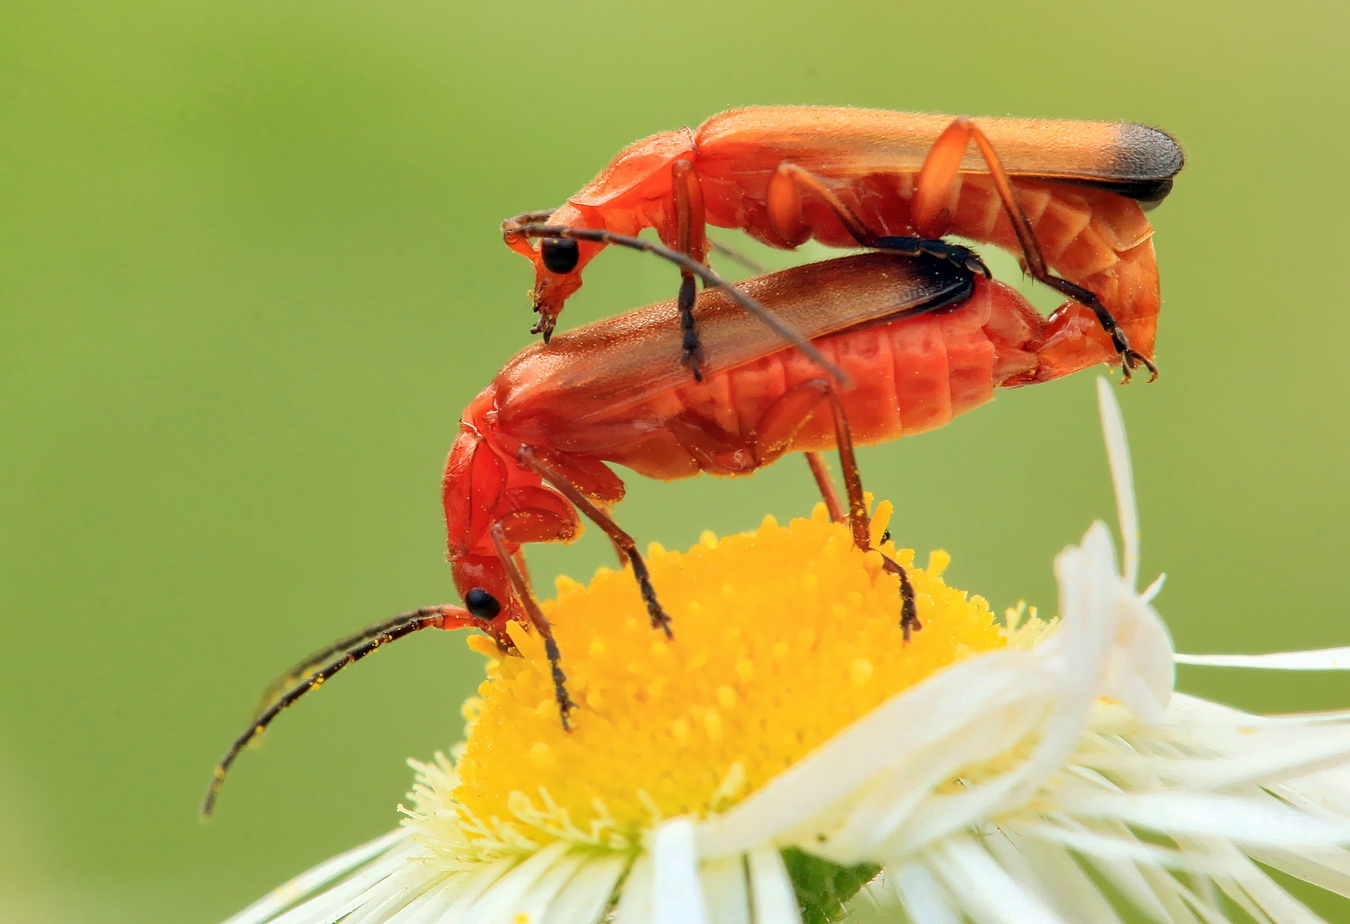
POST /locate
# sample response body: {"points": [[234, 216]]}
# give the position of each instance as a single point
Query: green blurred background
{"points": [[250, 274]]}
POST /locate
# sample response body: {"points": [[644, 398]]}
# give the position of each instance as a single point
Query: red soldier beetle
{"points": [[1063, 195], [921, 340]]}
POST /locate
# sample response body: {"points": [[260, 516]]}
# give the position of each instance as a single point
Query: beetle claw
{"points": [[1133, 359]]}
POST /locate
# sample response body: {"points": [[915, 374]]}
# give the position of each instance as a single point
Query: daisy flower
{"points": [[788, 756]]}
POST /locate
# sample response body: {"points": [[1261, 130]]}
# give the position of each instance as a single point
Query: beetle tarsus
{"points": [[693, 358], [957, 255], [565, 704], [909, 607], [692, 355], [659, 617], [544, 325]]}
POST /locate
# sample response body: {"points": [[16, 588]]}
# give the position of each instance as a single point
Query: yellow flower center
{"points": [[783, 637]]}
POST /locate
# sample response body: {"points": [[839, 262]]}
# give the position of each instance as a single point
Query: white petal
{"points": [[586, 896], [1321, 659], [985, 889], [451, 892], [1059, 879], [1246, 821], [890, 738], [1325, 793], [1184, 903], [775, 901], [1328, 869], [457, 894], [1115, 846], [727, 892], [1146, 886], [401, 892], [1116, 642], [921, 895], [901, 812], [267, 907], [377, 882], [677, 890], [1122, 478], [635, 902], [1273, 755], [1257, 894], [1142, 675], [525, 890], [1153, 589]]}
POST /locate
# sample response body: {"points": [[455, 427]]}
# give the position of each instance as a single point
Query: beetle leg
{"points": [[955, 254], [691, 237], [774, 434], [624, 543], [519, 559], [857, 511], [513, 237], [932, 216], [521, 586], [826, 485], [784, 201]]}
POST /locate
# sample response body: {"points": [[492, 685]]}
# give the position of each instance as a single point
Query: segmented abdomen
{"points": [[909, 376]]}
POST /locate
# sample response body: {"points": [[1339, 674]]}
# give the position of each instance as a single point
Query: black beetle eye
{"points": [[560, 254], [481, 604]]}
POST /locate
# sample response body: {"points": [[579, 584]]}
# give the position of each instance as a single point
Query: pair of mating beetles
{"points": [[858, 349]]}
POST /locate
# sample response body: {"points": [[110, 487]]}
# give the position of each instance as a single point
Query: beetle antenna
{"points": [[710, 279], [736, 256], [303, 670], [304, 677]]}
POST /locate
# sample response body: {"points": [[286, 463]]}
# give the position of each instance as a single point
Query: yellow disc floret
{"points": [[782, 637]]}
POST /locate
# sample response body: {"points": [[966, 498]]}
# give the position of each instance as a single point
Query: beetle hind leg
{"points": [[774, 434], [858, 519], [932, 215]]}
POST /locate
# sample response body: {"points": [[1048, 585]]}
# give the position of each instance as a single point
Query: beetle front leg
{"points": [[518, 242], [624, 543], [691, 237], [525, 595]]}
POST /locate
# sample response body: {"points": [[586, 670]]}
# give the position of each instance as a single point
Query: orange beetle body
{"points": [[615, 392], [899, 174]]}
